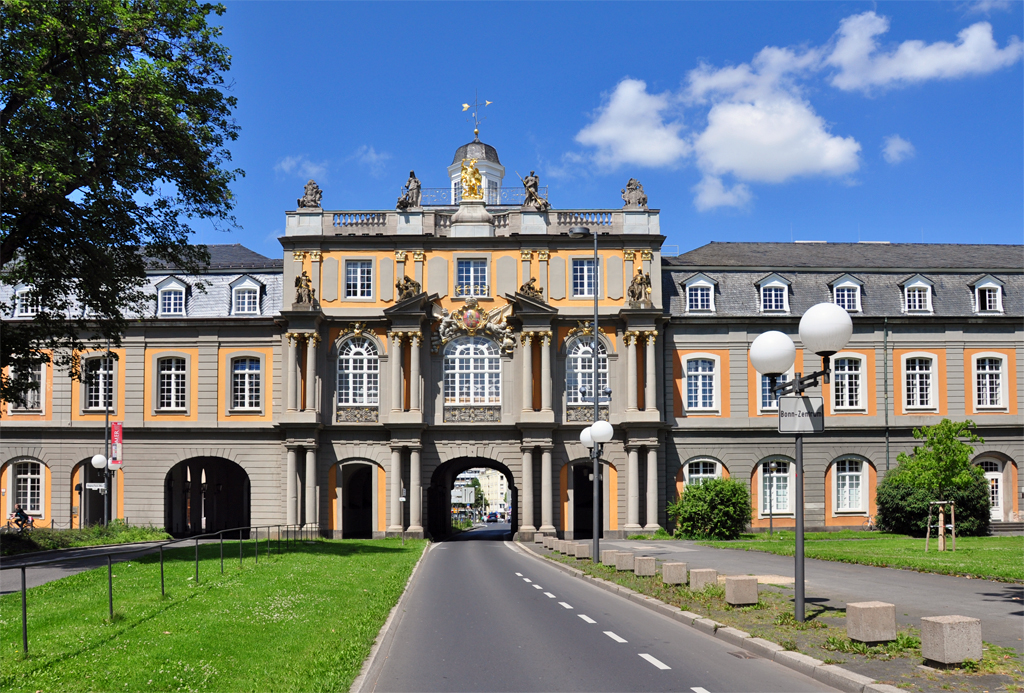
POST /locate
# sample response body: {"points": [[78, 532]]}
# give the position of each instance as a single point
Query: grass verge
{"points": [[303, 620], [990, 558], [45, 539]]}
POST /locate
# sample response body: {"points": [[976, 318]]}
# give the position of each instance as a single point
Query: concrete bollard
{"points": [[608, 557], [583, 550], [546, 541], [645, 566], [673, 573], [741, 589], [871, 621], [538, 538], [950, 639], [559, 546], [701, 578], [624, 560]]}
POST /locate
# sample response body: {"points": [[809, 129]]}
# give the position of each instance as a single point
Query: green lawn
{"points": [[993, 558], [301, 621], [44, 538]]}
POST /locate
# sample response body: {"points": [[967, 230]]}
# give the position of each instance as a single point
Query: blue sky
{"points": [[837, 121]]}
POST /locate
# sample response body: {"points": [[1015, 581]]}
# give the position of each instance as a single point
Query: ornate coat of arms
{"points": [[471, 320]]}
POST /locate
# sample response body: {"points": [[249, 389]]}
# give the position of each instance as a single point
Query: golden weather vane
{"points": [[476, 111]]}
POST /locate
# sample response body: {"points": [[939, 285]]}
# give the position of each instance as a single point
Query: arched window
{"points": [[472, 372], [28, 486], [698, 471], [775, 487], [358, 373], [579, 371], [849, 482]]}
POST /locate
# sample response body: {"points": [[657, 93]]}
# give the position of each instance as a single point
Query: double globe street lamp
{"points": [[592, 436], [824, 330], [101, 462]]}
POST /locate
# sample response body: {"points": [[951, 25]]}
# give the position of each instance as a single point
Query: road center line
{"points": [[656, 662], [698, 689], [614, 637], [527, 580], [587, 618], [549, 595], [519, 575], [565, 605], [537, 587]]}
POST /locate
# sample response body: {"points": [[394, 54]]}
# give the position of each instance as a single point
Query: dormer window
{"points": [[846, 293], [171, 297], [774, 292], [988, 295], [245, 296], [700, 294], [917, 295], [26, 304]]}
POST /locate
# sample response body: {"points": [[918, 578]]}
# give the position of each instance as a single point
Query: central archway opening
{"points": [[583, 502], [439, 500], [205, 494]]}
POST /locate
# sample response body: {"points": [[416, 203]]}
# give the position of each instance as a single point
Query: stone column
{"points": [[652, 488], [291, 498], [292, 370], [414, 373], [650, 384], [633, 490], [545, 371], [631, 385], [546, 497], [527, 496], [311, 509], [396, 371], [312, 339], [527, 341], [415, 499], [396, 490]]}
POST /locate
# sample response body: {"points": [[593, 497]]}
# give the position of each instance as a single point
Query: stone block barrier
{"points": [[701, 578], [645, 566], [673, 573], [950, 639], [624, 560], [608, 557], [583, 550], [871, 621], [740, 590], [538, 538]]}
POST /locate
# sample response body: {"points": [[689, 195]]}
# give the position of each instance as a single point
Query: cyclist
{"points": [[21, 518]]}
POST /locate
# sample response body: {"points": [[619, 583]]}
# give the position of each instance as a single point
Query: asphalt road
{"points": [[67, 562], [483, 616]]}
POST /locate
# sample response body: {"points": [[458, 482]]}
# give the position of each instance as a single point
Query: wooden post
{"points": [[928, 528], [942, 528], [952, 515]]}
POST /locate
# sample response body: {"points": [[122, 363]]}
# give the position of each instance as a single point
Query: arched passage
{"points": [[205, 494], [439, 493], [86, 504], [358, 499], [1001, 474], [576, 481]]}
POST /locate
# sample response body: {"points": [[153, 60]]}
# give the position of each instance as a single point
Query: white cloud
{"points": [[862, 64], [896, 149], [711, 193], [372, 159], [987, 7], [631, 128], [302, 167]]}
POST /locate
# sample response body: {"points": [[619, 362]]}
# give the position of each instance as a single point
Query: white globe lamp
{"points": [[110, 465], [772, 353], [99, 461], [825, 329], [601, 431], [585, 437]]}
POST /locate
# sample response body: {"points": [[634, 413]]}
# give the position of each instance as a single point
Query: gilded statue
{"points": [[530, 289], [472, 181], [638, 295]]}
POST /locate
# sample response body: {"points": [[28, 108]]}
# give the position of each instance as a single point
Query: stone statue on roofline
{"points": [[638, 295], [311, 197], [634, 196], [407, 288], [530, 290], [533, 200], [304, 291], [411, 193]]}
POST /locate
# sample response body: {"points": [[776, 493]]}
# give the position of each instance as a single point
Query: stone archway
{"points": [[86, 505], [577, 497], [442, 481], [206, 494], [357, 499]]}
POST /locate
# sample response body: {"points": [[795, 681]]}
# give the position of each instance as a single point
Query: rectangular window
{"points": [[698, 298], [848, 484], [846, 381], [28, 485], [917, 298], [775, 488], [172, 302], [846, 297], [247, 301], [919, 382], [245, 384], [171, 383], [26, 305], [583, 284], [99, 383], [359, 279], [471, 278], [773, 298], [33, 397], [988, 299], [989, 380], [700, 384], [768, 398]]}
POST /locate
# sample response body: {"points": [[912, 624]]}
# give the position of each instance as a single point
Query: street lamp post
{"points": [[773, 465], [824, 329]]}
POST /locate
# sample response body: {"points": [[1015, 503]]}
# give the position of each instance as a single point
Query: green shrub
{"points": [[712, 509], [903, 506], [45, 539]]}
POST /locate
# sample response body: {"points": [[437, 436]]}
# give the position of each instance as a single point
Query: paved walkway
{"points": [[999, 605]]}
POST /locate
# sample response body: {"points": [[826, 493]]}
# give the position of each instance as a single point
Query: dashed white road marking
{"points": [[527, 580], [614, 637], [537, 587], [567, 606], [656, 662], [587, 618], [519, 574], [549, 595], [698, 689]]}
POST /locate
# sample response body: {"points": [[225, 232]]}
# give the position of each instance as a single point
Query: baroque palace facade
{"points": [[350, 383]]}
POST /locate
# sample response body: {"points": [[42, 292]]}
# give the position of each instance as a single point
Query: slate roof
{"points": [[476, 150], [234, 256]]}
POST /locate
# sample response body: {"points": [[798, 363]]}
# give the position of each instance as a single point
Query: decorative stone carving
{"points": [[311, 197], [471, 319], [357, 415], [533, 201], [400, 256], [315, 255], [647, 255], [638, 295], [472, 181], [577, 414], [543, 255], [411, 192], [418, 256], [629, 255], [582, 329], [472, 414], [298, 255], [530, 289], [407, 288], [304, 291], [634, 195], [525, 254]]}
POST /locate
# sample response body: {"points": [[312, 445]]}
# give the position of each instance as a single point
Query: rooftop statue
{"points": [[634, 195], [407, 288], [304, 291], [533, 200], [530, 289], [411, 192], [472, 181], [638, 295], [311, 197]]}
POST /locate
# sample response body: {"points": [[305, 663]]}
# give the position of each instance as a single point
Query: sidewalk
{"points": [[72, 562], [999, 605]]}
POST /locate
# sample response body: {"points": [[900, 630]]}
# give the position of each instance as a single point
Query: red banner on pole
{"points": [[116, 438]]}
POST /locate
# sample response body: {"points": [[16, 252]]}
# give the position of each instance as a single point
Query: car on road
{"points": [[493, 517]]}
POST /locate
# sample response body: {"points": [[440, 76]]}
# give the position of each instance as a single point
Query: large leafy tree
{"points": [[114, 129]]}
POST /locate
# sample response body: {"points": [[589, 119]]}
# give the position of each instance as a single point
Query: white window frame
{"points": [[13, 476], [848, 282], [763, 472], [87, 387], [363, 267], [773, 281], [862, 480], [41, 396], [1003, 382], [588, 269], [917, 283], [460, 391], [716, 383], [176, 378], [245, 283], [985, 284], [862, 393], [251, 383], [475, 289], [25, 304], [363, 352], [576, 351], [689, 478], [933, 385], [165, 287], [699, 282], [762, 391]]}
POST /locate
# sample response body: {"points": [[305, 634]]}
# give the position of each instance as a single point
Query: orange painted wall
{"points": [[678, 385], [613, 498], [1013, 486], [332, 490], [382, 499], [755, 504], [76, 388], [150, 383], [849, 519], [900, 381], [46, 395], [868, 393], [563, 492], [753, 391], [1009, 380], [224, 356]]}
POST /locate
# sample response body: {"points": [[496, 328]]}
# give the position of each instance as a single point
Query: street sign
{"points": [[116, 438], [801, 414], [96, 486], [464, 494]]}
